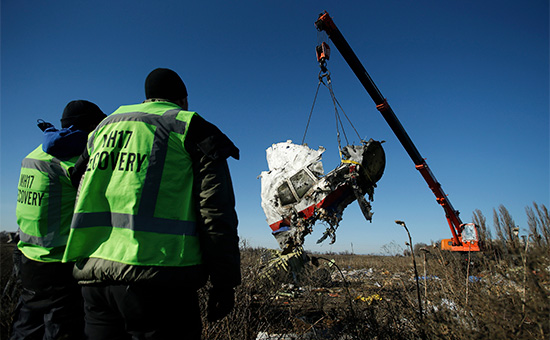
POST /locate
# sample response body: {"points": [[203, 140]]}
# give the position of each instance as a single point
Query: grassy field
{"points": [[501, 293], [462, 296], [332, 296]]}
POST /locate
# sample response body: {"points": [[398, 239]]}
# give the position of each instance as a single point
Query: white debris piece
{"points": [[267, 336], [296, 192], [284, 160]]}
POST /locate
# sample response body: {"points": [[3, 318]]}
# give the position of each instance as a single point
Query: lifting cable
{"points": [[325, 74]]}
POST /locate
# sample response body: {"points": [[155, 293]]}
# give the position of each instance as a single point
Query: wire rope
{"points": [[336, 103], [311, 111]]}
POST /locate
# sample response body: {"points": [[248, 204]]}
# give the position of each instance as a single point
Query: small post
{"points": [[468, 274], [524, 260], [424, 251], [401, 223]]}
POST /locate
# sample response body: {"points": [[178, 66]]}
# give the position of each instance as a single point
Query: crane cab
{"points": [[469, 239]]}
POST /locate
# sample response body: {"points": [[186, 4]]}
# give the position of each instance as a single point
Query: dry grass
{"points": [[499, 294], [374, 297], [9, 288]]}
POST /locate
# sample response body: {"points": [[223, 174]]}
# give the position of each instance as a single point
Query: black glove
{"points": [[220, 302]]}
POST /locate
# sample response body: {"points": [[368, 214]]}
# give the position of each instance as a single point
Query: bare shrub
{"points": [[507, 231], [484, 232], [538, 220]]}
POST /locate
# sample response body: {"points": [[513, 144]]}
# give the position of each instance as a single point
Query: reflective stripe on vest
{"points": [[136, 203], [145, 220], [135, 223], [52, 169]]}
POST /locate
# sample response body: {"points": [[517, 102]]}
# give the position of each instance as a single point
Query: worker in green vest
{"points": [[51, 305], [155, 218]]}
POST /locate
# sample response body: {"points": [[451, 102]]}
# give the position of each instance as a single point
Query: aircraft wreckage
{"points": [[296, 193]]}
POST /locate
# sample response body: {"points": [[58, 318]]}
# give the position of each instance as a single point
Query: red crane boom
{"points": [[464, 236]]}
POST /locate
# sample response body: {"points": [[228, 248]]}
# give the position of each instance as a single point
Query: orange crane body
{"points": [[464, 235]]}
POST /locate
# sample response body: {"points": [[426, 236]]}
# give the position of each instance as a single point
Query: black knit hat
{"points": [[165, 84], [82, 114]]}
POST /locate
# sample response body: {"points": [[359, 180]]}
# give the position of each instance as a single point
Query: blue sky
{"points": [[469, 81]]}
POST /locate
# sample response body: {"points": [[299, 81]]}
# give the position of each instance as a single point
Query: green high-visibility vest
{"points": [[135, 204], [45, 202]]}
